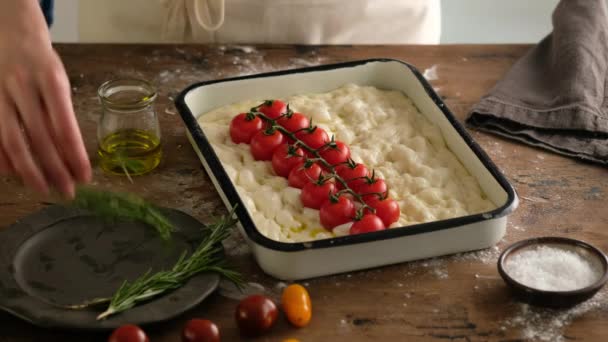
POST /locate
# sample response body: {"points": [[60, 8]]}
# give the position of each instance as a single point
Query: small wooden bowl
{"points": [[554, 298]]}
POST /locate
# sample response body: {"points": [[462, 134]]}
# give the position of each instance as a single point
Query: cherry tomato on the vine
{"points": [[200, 330], [285, 158], [336, 212], [314, 194], [368, 223], [352, 173], [273, 108], [296, 305], [303, 174], [244, 126], [255, 315], [264, 143], [128, 333], [372, 187], [314, 138], [294, 122], [387, 209], [336, 154]]}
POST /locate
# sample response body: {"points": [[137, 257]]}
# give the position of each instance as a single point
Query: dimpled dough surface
{"points": [[384, 130]]}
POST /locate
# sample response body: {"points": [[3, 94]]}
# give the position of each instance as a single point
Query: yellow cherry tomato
{"points": [[296, 304]]}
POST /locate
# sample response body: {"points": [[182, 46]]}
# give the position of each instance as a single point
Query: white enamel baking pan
{"points": [[292, 261]]}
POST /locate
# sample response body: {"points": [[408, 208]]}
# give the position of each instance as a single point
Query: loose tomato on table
{"points": [[352, 173], [294, 122], [244, 126], [387, 209], [285, 158], [337, 211], [366, 224], [315, 194], [314, 137], [255, 315], [273, 108], [303, 174], [297, 305], [200, 330], [336, 153], [264, 142], [128, 333]]}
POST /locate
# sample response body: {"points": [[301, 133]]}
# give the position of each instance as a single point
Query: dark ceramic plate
{"points": [[61, 256]]}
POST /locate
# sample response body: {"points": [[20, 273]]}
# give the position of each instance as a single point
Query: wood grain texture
{"points": [[456, 298]]}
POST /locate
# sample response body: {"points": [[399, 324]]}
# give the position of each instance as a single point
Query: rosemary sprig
{"points": [[206, 258], [112, 205]]}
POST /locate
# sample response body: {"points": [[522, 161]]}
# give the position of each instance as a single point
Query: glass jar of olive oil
{"points": [[128, 132]]}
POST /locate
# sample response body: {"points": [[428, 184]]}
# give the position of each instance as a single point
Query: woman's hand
{"points": [[40, 140]]}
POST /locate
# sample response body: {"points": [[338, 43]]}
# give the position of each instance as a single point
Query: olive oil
{"points": [[130, 151]]}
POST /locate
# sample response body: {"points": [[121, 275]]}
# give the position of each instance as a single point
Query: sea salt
{"points": [[552, 269]]}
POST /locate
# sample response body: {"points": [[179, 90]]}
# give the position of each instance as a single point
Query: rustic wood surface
{"points": [[456, 298]]}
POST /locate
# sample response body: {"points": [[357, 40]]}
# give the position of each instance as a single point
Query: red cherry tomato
{"points": [[285, 158], [303, 174], [200, 330], [371, 187], [339, 153], [314, 138], [128, 333], [314, 194], [352, 173], [294, 122], [244, 126], [264, 143], [335, 213], [255, 315], [368, 223], [387, 209], [273, 108]]}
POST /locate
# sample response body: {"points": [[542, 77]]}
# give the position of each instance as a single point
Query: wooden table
{"points": [[456, 298]]}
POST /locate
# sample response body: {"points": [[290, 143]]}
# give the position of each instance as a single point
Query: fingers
{"points": [[55, 92], [36, 124], [6, 168], [16, 149]]}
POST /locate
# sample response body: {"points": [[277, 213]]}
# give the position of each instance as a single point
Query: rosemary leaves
{"points": [[110, 205], [207, 257]]}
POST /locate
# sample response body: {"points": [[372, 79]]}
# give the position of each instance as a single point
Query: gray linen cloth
{"points": [[556, 96]]}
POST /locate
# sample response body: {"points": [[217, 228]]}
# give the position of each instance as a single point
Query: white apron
{"points": [[262, 21], [303, 21]]}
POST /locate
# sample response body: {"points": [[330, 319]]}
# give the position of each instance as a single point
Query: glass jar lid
{"points": [[127, 94]]}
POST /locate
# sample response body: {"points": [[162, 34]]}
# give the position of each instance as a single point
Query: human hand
{"points": [[40, 140]]}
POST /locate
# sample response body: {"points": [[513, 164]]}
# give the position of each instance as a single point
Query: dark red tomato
{"points": [[255, 315], [372, 187], [273, 108], [335, 213], [387, 209], [200, 330], [244, 126], [336, 154], [128, 333], [302, 175], [313, 194], [314, 138], [285, 158], [368, 223], [353, 174], [263, 144], [294, 122]]}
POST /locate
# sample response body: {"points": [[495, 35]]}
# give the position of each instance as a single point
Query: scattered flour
{"points": [[431, 73], [541, 324]]}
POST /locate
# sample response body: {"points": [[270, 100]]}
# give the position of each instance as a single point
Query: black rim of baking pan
{"points": [[232, 196]]}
